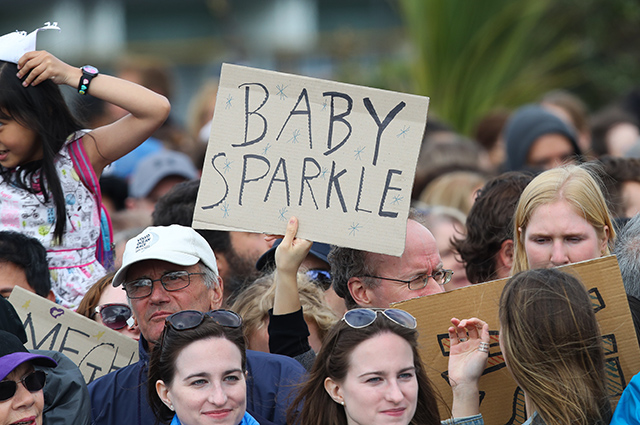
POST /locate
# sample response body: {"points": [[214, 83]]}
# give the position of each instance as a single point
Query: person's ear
{"points": [[163, 393], [222, 263], [360, 291], [334, 390], [506, 253], [216, 294], [51, 296]]}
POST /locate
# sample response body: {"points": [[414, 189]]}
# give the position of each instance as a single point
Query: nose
{"points": [[394, 393], [158, 294], [559, 254], [23, 399], [218, 397]]}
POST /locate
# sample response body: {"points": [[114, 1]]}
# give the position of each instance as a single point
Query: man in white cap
{"points": [[166, 270]]}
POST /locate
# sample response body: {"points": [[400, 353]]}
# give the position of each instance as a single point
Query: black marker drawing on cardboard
{"points": [[226, 186], [295, 111]]}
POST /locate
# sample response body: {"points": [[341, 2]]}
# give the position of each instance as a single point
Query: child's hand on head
{"points": [[39, 66], [292, 251]]}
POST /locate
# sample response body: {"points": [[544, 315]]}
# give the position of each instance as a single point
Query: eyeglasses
{"points": [[115, 316], [32, 382], [173, 281], [442, 277], [363, 317], [321, 277]]}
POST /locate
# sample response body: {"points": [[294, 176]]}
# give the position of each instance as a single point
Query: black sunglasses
{"points": [[322, 278], [115, 316], [32, 382]]}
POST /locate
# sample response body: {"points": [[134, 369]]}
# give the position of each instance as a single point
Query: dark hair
{"points": [[614, 173], [116, 189], [333, 361], [177, 206], [602, 122], [489, 224], [345, 264], [41, 109], [162, 363], [30, 255], [551, 341]]}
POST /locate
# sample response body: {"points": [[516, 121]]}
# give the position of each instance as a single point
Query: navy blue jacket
{"points": [[120, 397]]}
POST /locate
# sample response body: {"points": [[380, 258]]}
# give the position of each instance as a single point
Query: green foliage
{"points": [[474, 56]]}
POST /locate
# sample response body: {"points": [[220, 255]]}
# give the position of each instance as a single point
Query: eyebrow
{"points": [[208, 376], [378, 372]]}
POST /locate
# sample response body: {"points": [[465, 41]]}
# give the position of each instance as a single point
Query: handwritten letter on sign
{"points": [[339, 157]]}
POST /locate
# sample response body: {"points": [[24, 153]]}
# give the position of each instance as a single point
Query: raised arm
{"points": [[289, 255], [469, 350], [147, 110]]}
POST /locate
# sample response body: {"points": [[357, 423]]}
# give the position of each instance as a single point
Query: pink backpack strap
{"points": [[80, 159]]}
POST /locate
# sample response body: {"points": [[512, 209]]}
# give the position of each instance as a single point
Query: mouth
{"points": [[26, 421], [218, 414], [160, 315], [395, 412], [3, 154]]}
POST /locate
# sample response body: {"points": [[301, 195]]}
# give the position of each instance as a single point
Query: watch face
{"points": [[90, 69]]}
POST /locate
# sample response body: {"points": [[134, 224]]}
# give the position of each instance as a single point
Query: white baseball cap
{"points": [[174, 244]]}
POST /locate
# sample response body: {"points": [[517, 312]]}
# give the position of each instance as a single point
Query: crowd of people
{"points": [[242, 328]]}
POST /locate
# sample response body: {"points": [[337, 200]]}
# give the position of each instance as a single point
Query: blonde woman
{"points": [[561, 218]]}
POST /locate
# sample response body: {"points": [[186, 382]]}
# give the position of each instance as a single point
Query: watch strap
{"points": [[85, 80]]}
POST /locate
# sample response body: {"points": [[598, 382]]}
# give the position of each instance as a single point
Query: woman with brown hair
{"points": [[552, 346]]}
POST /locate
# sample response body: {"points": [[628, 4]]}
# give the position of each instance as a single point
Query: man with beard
{"points": [[236, 252]]}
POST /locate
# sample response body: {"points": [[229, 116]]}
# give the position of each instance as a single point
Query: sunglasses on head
{"points": [[115, 316], [363, 317], [32, 382], [189, 319]]}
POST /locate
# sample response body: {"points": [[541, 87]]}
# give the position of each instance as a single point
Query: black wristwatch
{"points": [[88, 73]]}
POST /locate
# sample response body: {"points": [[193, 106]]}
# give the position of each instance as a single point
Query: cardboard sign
{"points": [[502, 402], [94, 348], [339, 157]]}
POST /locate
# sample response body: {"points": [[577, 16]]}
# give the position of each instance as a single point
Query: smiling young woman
{"points": [[197, 373]]}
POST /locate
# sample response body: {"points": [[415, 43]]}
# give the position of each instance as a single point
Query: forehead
{"points": [[557, 216], [154, 269], [208, 356], [382, 352], [12, 275], [112, 294], [420, 254]]}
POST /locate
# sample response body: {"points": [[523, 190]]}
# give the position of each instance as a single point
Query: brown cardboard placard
{"points": [[501, 404], [94, 348], [339, 157]]}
